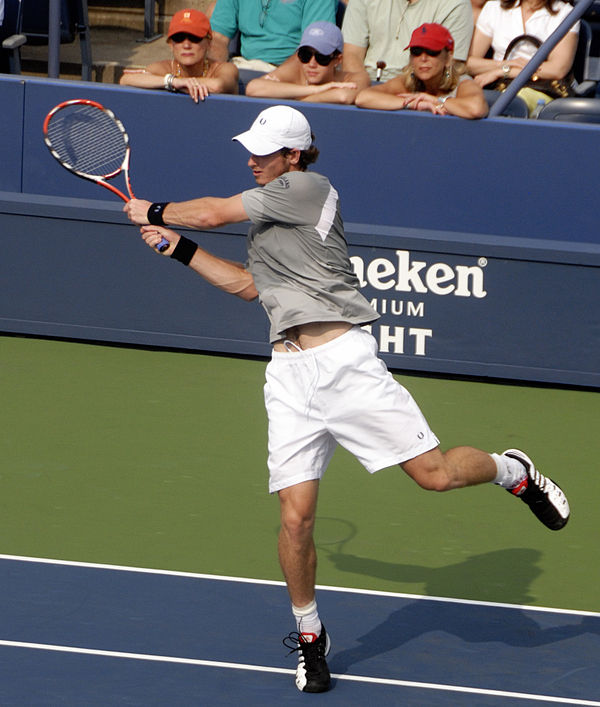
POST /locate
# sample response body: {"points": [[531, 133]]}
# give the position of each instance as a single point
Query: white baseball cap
{"points": [[275, 128]]}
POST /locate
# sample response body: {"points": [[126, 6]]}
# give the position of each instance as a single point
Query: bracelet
{"points": [[184, 250], [442, 99], [155, 213], [168, 82]]}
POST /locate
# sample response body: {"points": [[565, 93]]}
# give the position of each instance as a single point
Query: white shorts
{"points": [[338, 393]]}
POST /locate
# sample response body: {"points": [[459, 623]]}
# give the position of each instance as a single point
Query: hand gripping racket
{"points": [[91, 142]]}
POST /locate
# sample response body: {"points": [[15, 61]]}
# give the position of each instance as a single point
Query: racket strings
{"points": [[88, 140]]}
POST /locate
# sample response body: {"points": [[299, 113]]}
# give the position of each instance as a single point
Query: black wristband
{"points": [[155, 213], [184, 250]]}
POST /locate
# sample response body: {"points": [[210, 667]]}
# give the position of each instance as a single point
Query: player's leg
{"points": [[298, 559], [458, 467], [513, 470], [379, 422], [297, 554], [299, 451]]}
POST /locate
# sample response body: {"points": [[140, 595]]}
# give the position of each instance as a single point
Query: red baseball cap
{"points": [[431, 36], [189, 21]]}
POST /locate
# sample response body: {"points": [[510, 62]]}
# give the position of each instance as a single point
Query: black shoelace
{"points": [[294, 642]]}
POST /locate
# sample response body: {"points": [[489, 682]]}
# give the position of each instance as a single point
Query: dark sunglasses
{"points": [[305, 54], [417, 51], [182, 36]]}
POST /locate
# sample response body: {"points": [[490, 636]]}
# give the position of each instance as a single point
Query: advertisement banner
{"points": [[484, 315]]}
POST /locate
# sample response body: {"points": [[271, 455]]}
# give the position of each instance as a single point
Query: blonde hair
{"points": [[450, 78]]}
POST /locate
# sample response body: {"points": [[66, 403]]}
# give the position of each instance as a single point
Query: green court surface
{"points": [[158, 459]]}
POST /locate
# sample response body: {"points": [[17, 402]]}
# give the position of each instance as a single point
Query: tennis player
{"points": [[325, 383]]}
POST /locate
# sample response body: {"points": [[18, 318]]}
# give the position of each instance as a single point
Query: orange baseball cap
{"points": [[189, 21]]}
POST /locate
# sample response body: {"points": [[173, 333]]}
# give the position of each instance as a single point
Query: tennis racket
{"points": [[90, 141]]}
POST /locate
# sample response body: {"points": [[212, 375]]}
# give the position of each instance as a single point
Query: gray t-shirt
{"points": [[298, 255]]}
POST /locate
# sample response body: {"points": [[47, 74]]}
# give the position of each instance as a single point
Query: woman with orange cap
{"points": [[190, 70], [432, 81]]}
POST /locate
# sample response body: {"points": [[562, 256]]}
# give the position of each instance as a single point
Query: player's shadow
{"points": [[468, 622], [508, 571], [501, 576]]}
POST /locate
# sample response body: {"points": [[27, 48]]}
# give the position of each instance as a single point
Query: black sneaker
{"points": [[312, 673], [545, 498]]}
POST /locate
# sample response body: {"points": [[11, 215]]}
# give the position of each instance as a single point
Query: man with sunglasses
{"points": [[325, 383], [269, 30], [380, 30], [314, 73]]}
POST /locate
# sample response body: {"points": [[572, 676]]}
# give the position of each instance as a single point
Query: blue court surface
{"points": [[83, 634]]}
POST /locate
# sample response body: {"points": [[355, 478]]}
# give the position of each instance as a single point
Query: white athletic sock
{"points": [[510, 471], [307, 619]]}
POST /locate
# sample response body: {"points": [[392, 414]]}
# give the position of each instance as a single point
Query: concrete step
{"points": [[130, 13], [112, 50]]}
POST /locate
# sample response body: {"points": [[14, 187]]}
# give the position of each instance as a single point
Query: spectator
{"points": [[380, 30], [501, 21], [190, 70], [269, 30], [430, 82], [314, 72]]}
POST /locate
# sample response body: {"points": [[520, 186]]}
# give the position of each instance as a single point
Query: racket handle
{"points": [[163, 245]]}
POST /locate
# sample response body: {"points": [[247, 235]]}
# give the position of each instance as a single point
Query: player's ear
{"points": [[293, 155]]}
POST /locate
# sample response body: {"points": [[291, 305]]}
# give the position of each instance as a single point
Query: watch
{"points": [[506, 70]]}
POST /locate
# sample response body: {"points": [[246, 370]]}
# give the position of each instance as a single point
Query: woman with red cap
{"points": [[190, 70], [431, 82]]}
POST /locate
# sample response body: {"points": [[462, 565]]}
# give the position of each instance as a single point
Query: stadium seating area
{"points": [[25, 28]]}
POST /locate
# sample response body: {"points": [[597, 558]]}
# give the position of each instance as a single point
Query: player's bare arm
{"points": [[227, 275], [206, 212]]}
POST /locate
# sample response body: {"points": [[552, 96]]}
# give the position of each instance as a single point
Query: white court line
{"points": [[275, 583], [287, 671]]}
